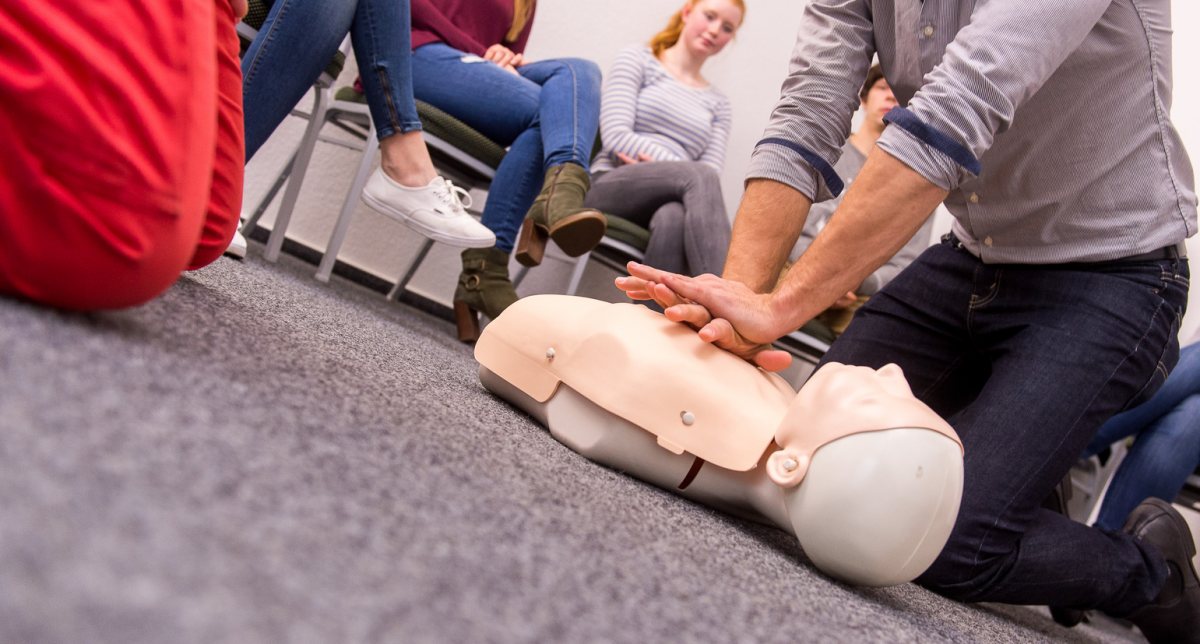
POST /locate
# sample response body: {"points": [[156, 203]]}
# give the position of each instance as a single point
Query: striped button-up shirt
{"points": [[1048, 122]]}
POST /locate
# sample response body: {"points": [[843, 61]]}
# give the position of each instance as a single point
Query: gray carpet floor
{"points": [[257, 457]]}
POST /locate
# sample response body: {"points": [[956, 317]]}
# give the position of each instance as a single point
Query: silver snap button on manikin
{"points": [[688, 417], [550, 353], [790, 465]]}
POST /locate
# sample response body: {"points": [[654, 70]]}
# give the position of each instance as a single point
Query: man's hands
{"points": [[240, 7], [642, 157], [504, 57], [732, 317], [883, 208]]}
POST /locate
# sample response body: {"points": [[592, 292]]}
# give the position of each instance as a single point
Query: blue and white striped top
{"points": [[644, 109]]}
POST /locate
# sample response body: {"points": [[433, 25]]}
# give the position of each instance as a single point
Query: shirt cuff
{"points": [[932, 154], [789, 164]]}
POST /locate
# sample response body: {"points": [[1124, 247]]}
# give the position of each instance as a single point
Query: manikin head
{"points": [[703, 27], [872, 477]]}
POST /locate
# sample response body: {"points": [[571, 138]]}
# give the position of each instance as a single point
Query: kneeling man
{"points": [[1053, 304]]}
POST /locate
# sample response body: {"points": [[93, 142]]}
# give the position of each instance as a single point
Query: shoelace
{"points": [[453, 196]]}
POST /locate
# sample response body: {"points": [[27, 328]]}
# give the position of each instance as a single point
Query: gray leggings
{"points": [[680, 202]]}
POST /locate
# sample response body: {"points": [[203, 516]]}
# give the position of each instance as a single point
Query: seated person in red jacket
{"points": [[122, 128]]}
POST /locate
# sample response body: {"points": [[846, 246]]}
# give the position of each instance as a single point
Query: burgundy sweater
{"points": [[467, 25]]}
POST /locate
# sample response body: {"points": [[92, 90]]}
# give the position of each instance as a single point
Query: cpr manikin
{"points": [[865, 475]]}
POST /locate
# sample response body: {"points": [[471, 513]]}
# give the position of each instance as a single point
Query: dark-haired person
{"points": [[876, 100], [122, 130], [1053, 305]]}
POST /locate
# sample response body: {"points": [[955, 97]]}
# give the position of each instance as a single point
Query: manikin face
{"points": [[840, 400], [709, 25], [879, 101]]}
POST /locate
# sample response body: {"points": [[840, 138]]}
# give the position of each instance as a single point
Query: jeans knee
{"points": [[958, 581], [700, 173], [960, 574], [585, 70], [707, 172]]}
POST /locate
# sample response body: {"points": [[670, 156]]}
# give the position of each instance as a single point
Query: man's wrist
{"points": [[780, 311]]}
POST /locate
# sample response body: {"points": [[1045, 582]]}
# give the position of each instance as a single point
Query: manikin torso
{"points": [[866, 476]]}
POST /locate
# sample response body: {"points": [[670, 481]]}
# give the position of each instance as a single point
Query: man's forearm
{"points": [[884, 207], [767, 225]]}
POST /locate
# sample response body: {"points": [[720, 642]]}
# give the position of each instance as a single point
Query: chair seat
{"points": [[818, 330], [461, 136], [350, 95], [446, 128], [627, 232]]}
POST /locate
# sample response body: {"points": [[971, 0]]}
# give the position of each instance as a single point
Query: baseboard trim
{"points": [[357, 275]]}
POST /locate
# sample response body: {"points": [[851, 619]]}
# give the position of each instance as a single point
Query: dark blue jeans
{"points": [[1167, 449], [298, 40], [548, 115], [1026, 362]]}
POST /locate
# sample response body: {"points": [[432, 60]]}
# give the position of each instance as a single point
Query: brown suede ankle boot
{"points": [[558, 213], [483, 287]]}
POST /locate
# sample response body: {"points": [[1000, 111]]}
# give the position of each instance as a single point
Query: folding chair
{"points": [[458, 152]]}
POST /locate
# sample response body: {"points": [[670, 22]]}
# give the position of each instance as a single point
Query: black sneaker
{"points": [[1173, 616]]}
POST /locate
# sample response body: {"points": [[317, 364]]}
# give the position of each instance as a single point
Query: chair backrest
{"points": [[257, 14]]}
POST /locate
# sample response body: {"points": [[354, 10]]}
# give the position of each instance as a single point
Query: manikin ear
{"points": [[787, 467], [893, 380], [891, 369]]}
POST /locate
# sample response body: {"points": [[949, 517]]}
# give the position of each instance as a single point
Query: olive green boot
{"points": [[483, 287], [558, 213]]}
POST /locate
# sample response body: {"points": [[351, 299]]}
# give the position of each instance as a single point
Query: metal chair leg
{"points": [[296, 178], [524, 270], [577, 273], [412, 270], [348, 206], [252, 222]]}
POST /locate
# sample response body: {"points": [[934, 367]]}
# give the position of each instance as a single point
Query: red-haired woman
{"points": [[665, 129]]}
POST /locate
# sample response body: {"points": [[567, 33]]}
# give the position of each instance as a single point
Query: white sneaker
{"points": [[237, 247], [435, 211]]}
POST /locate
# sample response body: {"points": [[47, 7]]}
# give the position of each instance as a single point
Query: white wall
{"points": [[1185, 112], [750, 72]]}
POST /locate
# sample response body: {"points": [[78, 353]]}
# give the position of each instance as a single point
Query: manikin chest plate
{"points": [[635, 363]]}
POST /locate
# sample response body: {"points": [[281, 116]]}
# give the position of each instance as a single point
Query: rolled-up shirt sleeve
{"points": [[995, 63], [804, 137]]}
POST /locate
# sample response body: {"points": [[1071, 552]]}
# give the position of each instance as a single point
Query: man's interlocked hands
{"points": [[726, 313], [882, 210]]}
